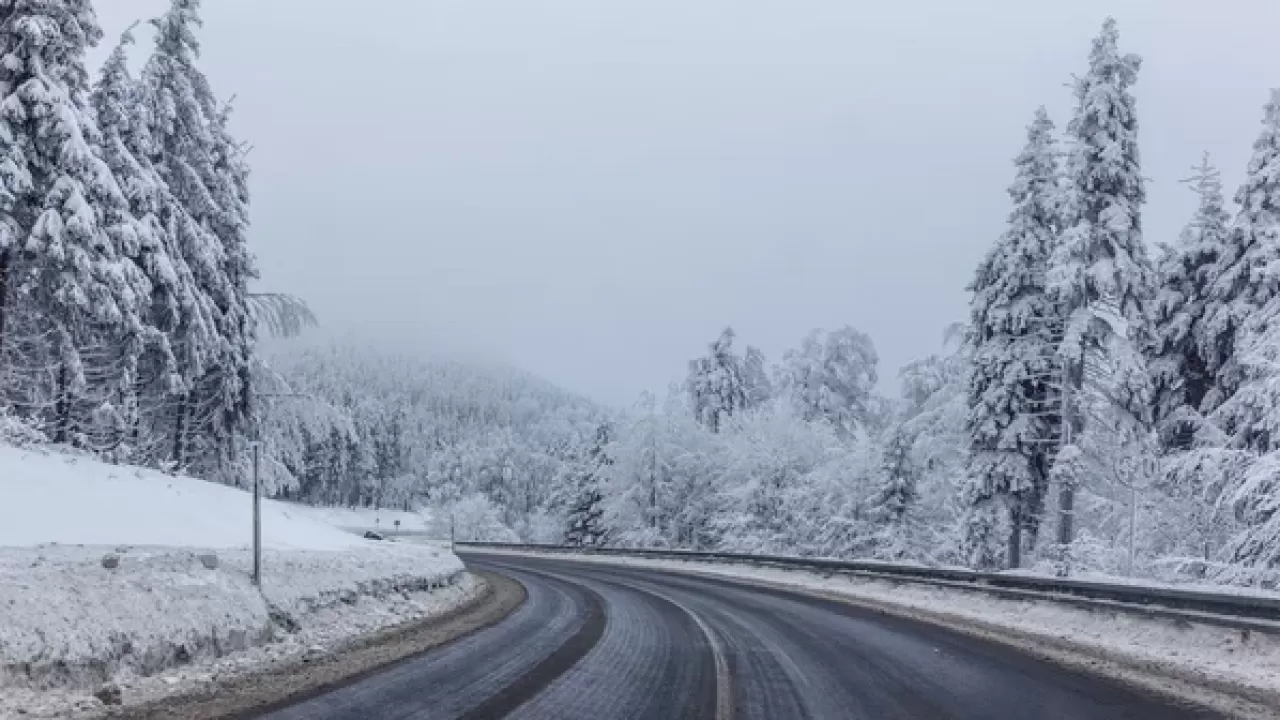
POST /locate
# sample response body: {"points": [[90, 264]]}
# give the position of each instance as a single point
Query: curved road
{"points": [[596, 642]]}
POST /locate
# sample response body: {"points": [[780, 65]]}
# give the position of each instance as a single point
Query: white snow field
{"points": [[121, 575], [362, 518]]}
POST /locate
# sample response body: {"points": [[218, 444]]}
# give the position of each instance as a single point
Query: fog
{"points": [[592, 190]]}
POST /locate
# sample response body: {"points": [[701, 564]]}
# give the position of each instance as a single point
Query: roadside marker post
{"points": [[257, 514]]}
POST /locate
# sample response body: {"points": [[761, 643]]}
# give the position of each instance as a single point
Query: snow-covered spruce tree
{"points": [[585, 525], [173, 303], [69, 289], [1246, 326], [1100, 277], [756, 377], [831, 377], [897, 496], [661, 488], [1182, 346], [934, 410], [1252, 463], [1014, 331], [204, 171], [717, 385], [1245, 279]]}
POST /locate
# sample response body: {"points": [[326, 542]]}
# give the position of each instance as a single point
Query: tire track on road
{"points": [[551, 667], [453, 680], [654, 662]]}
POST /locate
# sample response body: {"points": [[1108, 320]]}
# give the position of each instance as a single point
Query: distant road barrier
{"points": [[1225, 609]]}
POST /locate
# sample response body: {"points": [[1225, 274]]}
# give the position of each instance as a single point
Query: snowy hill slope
{"points": [[75, 500], [122, 575], [360, 518]]}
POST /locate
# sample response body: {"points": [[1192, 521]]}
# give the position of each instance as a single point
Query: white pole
{"points": [[257, 515], [1133, 523]]}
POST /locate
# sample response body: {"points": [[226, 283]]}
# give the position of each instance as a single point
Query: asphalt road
{"points": [[595, 642]]}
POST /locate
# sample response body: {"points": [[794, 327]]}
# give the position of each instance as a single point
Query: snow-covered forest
{"points": [[1110, 404], [126, 322]]}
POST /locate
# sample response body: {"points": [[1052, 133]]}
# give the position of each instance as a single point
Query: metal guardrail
{"points": [[1246, 612]]}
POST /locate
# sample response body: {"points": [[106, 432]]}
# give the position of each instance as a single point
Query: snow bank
{"points": [[71, 624], [115, 574], [77, 500]]}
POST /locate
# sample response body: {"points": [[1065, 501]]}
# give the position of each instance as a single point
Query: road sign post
{"points": [[257, 514]]}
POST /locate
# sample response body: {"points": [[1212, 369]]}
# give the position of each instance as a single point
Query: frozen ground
{"points": [[1155, 652], [113, 574]]}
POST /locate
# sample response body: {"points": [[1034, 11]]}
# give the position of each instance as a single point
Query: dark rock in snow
{"points": [[109, 694], [111, 561], [209, 560]]}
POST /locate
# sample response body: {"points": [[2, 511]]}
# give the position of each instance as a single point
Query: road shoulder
{"points": [[290, 682]]}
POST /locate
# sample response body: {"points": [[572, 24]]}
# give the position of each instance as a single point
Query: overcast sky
{"points": [[591, 189]]}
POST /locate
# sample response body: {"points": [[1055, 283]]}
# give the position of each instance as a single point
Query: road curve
{"points": [[601, 642]]}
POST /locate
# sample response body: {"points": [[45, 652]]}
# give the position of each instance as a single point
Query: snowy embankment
{"points": [[1236, 671], [115, 577]]}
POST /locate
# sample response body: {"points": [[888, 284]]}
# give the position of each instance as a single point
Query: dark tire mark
{"points": [[550, 668], [685, 688]]}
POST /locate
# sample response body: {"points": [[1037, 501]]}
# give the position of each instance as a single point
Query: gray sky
{"points": [[591, 190]]}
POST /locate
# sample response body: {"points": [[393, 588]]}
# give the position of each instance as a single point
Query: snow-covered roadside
{"points": [[1201, 662], [161, 621], [122, 577]]}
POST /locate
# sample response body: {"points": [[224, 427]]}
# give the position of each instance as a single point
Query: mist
{"points": [[591, 191]]}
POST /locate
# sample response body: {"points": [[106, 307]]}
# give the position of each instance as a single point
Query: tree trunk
{"points": [[1072, 426], [1015, 532], [1066, 514], [6, 260], [62, 407]]}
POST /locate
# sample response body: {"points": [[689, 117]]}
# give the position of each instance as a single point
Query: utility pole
{"points": [[1133, 526], [257, 513], [257, 480]]}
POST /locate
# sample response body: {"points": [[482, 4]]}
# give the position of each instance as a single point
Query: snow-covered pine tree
{"points": [[127, 149], [1246, 326], [1014, 331], [896, 498], [1182, 347], [1250, 463], [716, 383], [1100, 277], [585, 525], [934, 410], [204, 170], [69, 291], [832, 377], [1245, 278], [756, 376]]}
